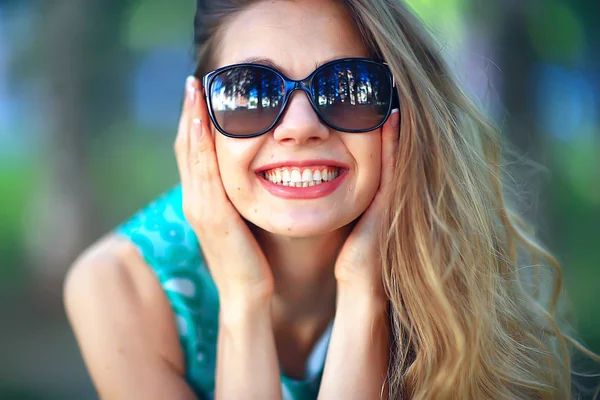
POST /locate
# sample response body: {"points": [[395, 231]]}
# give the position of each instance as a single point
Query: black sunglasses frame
{"points": [[306, 85]]}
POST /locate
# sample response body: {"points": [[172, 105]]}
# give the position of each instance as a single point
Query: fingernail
{"points": [[190, 88], [197, 123], [395, 118]]}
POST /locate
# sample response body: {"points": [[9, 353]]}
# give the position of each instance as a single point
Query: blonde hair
{"points": [[467, 321]]}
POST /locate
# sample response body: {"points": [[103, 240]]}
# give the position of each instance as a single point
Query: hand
{"points": [[358, 266], [237, 263]]}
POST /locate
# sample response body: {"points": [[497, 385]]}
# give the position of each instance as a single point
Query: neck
{"points": [[303, 303], [303, 270]]}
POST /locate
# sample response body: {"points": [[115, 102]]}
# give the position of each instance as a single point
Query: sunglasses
{"points": [[349, 95]]}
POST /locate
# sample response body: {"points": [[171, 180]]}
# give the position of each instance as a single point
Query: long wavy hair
{"points": [[473, 313]]}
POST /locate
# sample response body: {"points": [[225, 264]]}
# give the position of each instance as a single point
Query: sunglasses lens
{"points": [[246, 100], [353, 95]]}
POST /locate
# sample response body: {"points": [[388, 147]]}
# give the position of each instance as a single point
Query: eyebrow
{"points": [[270, 63]]}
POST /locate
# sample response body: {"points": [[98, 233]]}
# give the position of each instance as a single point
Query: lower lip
{"points": [[310, 192]]}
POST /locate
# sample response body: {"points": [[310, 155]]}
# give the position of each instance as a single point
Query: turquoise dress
{"points": [[167, 243]]}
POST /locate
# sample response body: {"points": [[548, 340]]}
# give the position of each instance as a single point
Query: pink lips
{"points": [[311, 192]]}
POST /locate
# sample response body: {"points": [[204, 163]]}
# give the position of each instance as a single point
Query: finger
{"points": [[182, 141], [203, 164], [389, 148]]}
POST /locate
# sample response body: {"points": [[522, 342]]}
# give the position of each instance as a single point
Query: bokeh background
{"points": [[90, 93]]}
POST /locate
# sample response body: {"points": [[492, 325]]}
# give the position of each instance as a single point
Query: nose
{"points": [[300, 125]]}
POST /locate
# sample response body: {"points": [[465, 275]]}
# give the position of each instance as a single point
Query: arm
{"points": [[358, 354], [247, 366], [124, 325]]}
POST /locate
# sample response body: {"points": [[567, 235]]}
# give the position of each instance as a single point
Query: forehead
{"points": [[297, 35]]}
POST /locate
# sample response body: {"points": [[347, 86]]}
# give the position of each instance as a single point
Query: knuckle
{"points": [[179, 145], [200, 170], [352, 256], [203, 146], [191, 213], [205, 169]]}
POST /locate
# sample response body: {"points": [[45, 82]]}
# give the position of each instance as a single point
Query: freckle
{"points": [[226, 233], [238, 188], [289, 229], [255, 210]]}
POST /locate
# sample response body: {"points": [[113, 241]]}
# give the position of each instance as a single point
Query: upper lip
{"points": [[303, 163]]}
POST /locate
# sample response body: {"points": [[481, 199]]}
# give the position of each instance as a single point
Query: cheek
{"points": [[234, 157], [229, 168]]}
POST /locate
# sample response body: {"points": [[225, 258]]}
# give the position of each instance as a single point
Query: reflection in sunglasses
{"points": [[247, 87], [355, 83], [251, 88]]}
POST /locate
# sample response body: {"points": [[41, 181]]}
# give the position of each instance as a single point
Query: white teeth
{"points": [[307, 175], [295, 175], [293, 178]]}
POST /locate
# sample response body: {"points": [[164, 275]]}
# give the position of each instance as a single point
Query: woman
{"points": [[295, 208]]}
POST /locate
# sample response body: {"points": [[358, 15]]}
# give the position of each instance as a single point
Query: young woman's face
{"points": [[298, 36]]}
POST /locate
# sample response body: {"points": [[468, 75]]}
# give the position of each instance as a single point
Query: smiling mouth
{"points": [[301, 177]]}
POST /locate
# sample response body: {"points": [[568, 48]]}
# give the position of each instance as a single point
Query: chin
{"points": [[302, 231], [309, 226]]}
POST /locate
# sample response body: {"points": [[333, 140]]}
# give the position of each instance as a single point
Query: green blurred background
{"points": [[90, 93]]}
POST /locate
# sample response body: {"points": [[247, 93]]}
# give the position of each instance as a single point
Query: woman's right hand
{"points": [[247, 365], [235, 260]]}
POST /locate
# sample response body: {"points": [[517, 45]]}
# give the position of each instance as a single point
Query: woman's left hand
{"points": [[358, 266], [359, 344]]}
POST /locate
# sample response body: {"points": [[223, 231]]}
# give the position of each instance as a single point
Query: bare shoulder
{"points": [[122, 321], [111, 266]]}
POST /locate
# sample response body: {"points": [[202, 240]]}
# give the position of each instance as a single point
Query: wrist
{"points": [[238, 311], [357, 304], [361, 294]]}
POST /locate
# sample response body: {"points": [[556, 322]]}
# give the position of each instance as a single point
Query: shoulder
{"points": [[161, 233], [114, 266], [112, 299], [149, 278], [123, 324], [166, 242]]}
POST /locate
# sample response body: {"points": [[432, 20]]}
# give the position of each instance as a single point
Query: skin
{"points": [[296, 264], [301, 238]]}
